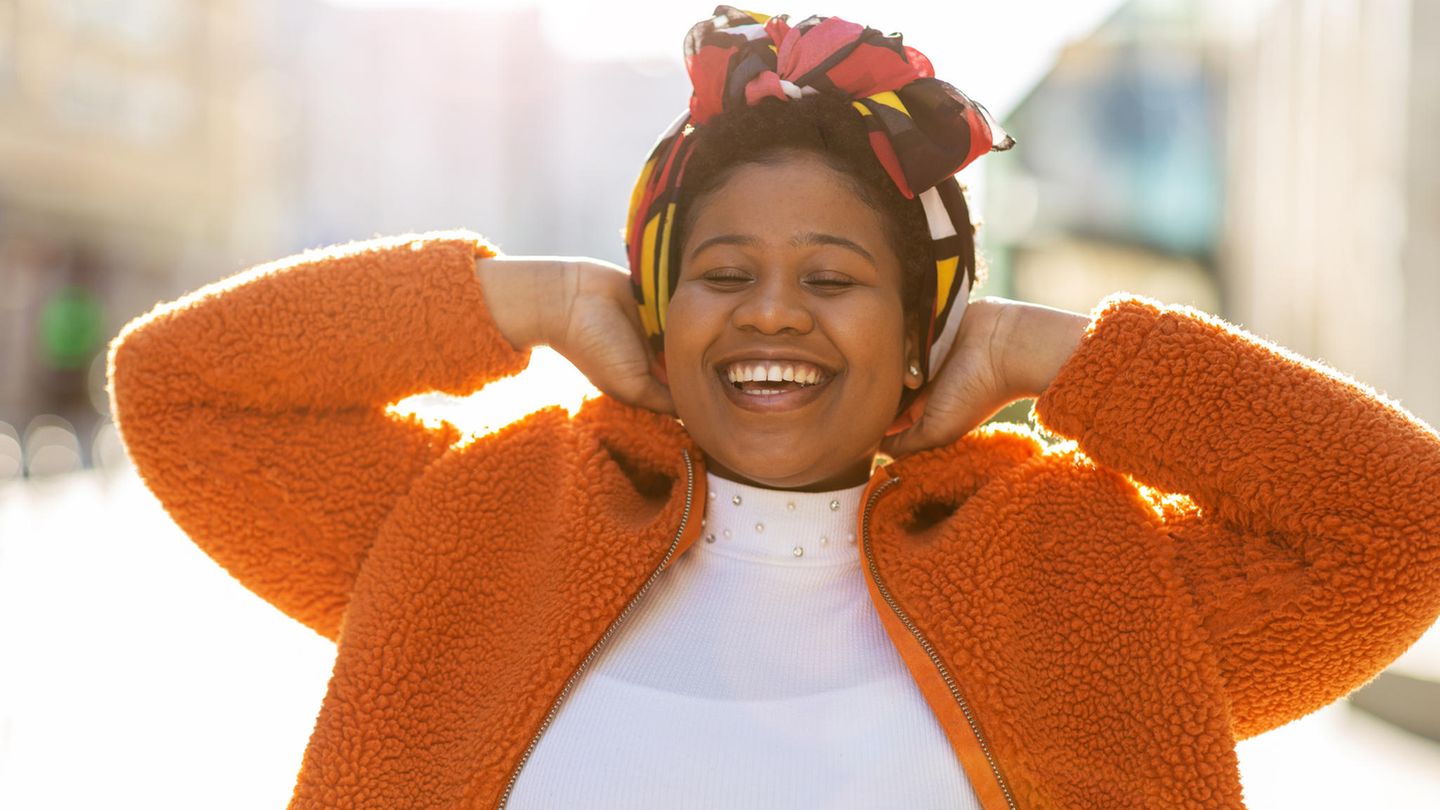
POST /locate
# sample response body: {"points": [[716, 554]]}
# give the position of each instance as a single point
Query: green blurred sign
{"points": [[70, 328]]}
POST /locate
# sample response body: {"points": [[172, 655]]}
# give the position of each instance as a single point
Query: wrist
{"points": [[528, 297], [1039, 342]]}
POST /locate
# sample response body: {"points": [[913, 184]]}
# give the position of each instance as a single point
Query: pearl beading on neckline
{"points": [[794, 528]]}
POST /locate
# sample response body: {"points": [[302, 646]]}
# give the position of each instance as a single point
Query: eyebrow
{"points": [[806, 239]]}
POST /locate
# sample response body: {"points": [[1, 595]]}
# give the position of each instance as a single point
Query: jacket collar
{"points": [[967, 464], [641, 440], [650, 444]]}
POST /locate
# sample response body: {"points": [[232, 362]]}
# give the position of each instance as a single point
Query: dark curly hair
{"points": [[825, 124]]}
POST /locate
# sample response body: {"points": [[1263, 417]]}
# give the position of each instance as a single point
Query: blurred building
{"points": [[1116, 182], [137, 141], [1271, 162], [148, 147], [447, 117], [1333, 227]]}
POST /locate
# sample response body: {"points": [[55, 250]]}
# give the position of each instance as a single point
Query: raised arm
{"points": [[255, 408], [1304, 507]]}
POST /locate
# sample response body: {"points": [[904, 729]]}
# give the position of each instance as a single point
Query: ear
{"points": [[914, 378]]}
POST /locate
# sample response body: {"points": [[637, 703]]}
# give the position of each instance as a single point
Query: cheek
{"points": [[679, 327], [877, 345], [689, 331], [874, 335]]}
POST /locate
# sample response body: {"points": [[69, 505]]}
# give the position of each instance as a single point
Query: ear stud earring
{"points": [[914, 368]]}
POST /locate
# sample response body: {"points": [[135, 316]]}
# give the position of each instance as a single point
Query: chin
{"points": [[787, 472]]}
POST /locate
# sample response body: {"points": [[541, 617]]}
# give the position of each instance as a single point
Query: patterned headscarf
{"points": [[921, 129]]}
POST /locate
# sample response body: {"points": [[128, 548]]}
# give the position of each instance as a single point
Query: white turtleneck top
{"points": [[753, 674]]}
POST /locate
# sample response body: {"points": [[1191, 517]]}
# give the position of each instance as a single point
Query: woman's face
{"points": [[785, 272]]}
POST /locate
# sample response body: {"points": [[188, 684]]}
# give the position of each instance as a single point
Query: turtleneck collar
{"points": [[769, 525]]}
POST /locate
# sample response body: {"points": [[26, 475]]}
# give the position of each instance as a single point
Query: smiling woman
{"points": [[757, 291], [626, 609], [795, 245]]}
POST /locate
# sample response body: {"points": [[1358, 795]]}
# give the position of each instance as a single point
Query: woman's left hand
{"points": [[1005, 350]]}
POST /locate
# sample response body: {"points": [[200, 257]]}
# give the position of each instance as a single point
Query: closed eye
{"points": [[726, 277], [831, 281]]}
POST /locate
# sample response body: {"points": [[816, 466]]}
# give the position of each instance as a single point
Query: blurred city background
{"points": [[1271, 161]]}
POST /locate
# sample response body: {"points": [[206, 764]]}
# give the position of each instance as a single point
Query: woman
{"points": [[619, 609]]}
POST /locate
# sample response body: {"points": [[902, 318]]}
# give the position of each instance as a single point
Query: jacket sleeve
{"points": [[255, 408], [1302, 507]]}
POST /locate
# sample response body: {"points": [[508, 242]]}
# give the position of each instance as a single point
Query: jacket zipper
{"points": [[924, 642], [570, 684]]}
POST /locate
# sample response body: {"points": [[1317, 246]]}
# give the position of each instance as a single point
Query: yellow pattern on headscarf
{"points": [[944, 277], [664, 258], [638, 192], [648, 310], [889, 99]]}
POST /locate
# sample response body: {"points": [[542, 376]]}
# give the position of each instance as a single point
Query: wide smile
{"points": [[772, 386]]}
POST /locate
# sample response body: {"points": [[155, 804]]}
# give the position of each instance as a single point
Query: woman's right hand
{"points": [[582, 308]]}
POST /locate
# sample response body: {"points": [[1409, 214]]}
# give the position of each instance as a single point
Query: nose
{"points": [[774, 305]]}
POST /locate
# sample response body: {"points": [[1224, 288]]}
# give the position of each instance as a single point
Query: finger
{"points": [[644, 392], [656, 397], [906, 442], [650, 394], [932, 432], [912, 424], [891, 447]]}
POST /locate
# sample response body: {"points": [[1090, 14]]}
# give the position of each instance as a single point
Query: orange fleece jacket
{"points": [[1233, 537]]}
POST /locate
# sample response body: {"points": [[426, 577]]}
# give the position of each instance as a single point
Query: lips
{"points": [[772, 385]]}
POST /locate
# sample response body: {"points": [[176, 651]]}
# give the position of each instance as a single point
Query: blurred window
{"points": [[8, 40], [149, 108], [149, 26]]}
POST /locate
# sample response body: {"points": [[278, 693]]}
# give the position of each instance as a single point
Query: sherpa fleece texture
{"points": [[1232, 537]]}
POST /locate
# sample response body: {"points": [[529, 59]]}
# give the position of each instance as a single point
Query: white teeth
{"points": [[804, 374]]}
